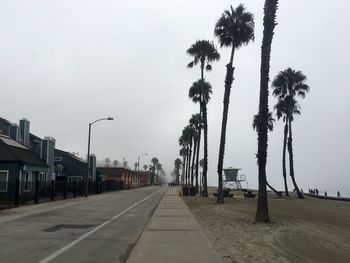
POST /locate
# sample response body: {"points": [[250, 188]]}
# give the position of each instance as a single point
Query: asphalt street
{"points": [[101, 228]]}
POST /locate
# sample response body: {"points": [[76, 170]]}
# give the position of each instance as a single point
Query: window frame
{"points": [[7, 180], [28, 184]]}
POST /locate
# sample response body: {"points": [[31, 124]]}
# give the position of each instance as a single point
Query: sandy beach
{"points": [[309, 230]]}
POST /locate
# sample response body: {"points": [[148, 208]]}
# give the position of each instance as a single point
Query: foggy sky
{"points": [[65, 63]]}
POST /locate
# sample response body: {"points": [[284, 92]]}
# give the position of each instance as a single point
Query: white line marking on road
{"points": [[76, 241]]}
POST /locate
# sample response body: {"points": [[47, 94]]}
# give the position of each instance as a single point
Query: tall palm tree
{"points": [[234, 29], [286, 86], [204, 53], [186, 141], [183, 153], [177, 170], [189, 135], [154, 160], [197, 123], [282, 111], [200, 91], [159, 168], [270, 8]]}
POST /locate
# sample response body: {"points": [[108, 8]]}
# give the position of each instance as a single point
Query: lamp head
{"points": [[110, 119]]}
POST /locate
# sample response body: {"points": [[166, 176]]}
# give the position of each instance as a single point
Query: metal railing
{"points": [[16, 193]]}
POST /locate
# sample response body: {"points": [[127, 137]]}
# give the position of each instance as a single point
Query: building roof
{"points": [[5, 121], [12, 151], [72, 157]]}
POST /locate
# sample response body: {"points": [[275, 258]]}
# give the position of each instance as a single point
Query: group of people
{"points": [[315, 192]]}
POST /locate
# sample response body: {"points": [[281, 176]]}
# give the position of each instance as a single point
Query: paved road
{"points": [[101, 228]]}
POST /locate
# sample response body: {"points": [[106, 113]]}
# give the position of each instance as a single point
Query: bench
{"points": [[249, 194], [226, 193]]}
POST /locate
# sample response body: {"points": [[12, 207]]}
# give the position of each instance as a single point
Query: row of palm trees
{"points": [[234, 29], [156, 169], [203, 53]]}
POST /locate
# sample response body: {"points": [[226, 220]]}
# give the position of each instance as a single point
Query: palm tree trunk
{"points": [[189, 164], [270, 8], [205, 165], [200, 130], [198, 147], [197, 160], [228, 84], [183, 170], [284, 158], [291, 161], [193, 159], [202, 70], [273, 189], [177, 176], [186, 170]]}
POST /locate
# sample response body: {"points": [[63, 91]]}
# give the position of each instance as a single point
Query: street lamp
{"points": [[88, 154], [138, 161]]}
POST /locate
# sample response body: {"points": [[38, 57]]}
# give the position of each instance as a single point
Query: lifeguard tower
{"points": [[232, 179]]}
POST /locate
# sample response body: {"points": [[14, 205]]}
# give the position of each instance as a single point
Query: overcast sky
{"points": [[65, 63]]}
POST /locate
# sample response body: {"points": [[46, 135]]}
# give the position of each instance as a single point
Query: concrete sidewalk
{"points": [[173, 235]]}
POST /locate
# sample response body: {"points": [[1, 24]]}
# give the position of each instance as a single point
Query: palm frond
{"points": [[235, 27], [208, 67], [190, 65], [200, 91]]}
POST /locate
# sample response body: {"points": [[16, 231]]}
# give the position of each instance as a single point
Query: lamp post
{"points": [[88, 154]]}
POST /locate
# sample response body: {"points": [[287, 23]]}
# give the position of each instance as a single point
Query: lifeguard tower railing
{"points": [[232, 179]]}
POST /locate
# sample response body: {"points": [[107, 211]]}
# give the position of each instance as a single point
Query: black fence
{"points": [[16, 193]]}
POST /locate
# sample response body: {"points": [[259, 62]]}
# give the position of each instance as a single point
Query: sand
{"points": [[309, 230]]}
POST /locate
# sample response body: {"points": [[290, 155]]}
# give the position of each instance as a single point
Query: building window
{"points": [[4, 176], [28, 182], [75, 178]]}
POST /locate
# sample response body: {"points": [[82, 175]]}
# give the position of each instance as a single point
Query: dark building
{"points": [[18, 162], [130, 179], [43, 148], [71, 167]]}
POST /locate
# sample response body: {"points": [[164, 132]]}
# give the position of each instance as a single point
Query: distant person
{"points": [[325, 193], [338, 193], [316, 191]]}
